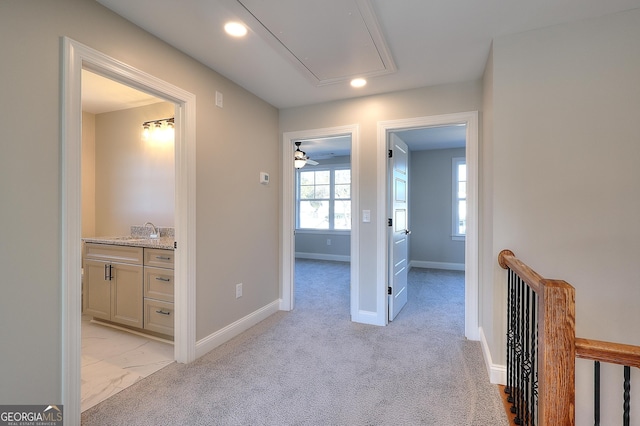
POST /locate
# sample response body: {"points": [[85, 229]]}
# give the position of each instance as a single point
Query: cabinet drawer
{"points": [[158, 283], [158, 316], [113, 253], [158, 257]]}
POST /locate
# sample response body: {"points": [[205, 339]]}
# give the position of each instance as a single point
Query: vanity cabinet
{"points": [[158, 291], [113, 283], [129, 285]]}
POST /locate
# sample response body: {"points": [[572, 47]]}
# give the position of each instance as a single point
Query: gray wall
{"points": [[367, 112], [230, 233], [323, 245], [430, 208], [560, 163]]}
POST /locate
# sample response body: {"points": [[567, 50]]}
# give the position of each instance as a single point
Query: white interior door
{"points": [[399, 239]]}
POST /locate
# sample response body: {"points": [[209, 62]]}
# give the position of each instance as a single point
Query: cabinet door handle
{"points": [[160, 311], [108, 272], [163, 279], [163, 258]]}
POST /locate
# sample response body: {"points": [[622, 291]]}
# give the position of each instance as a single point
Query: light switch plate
{"points": [[366, 216]]}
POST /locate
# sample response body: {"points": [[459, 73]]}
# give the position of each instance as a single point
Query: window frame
{"points": [[455, 199], [332, 199]]}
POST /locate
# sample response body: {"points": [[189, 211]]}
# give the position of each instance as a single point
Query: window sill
{"points": [[458, 238]]}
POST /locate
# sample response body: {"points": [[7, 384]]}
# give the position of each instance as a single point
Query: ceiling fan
{"points": [[300, 158]]}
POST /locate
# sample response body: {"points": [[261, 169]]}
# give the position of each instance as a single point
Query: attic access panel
{"points": [[330, 40]]}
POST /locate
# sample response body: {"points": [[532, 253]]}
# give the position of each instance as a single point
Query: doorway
{"points": [[470, 120], [128, 179], [77, 57], [290, 221], [434, 205], [323, 216]]}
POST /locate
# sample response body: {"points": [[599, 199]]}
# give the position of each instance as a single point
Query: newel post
{"points": [[556, 394]]}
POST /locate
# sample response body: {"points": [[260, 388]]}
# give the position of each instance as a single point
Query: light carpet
{"points": [[313, 366]]}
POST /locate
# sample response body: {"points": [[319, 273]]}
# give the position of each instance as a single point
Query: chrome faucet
{"points": [[154, 233]]}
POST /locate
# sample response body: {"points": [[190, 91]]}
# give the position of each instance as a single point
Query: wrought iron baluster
{"points": [[526, 360], [627, 389], [533, 404], [596, 393], [519, 352], [508, 388]]}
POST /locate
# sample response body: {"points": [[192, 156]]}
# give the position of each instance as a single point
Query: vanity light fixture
{"points": [[235, 29], [299, 157], [162, 130]]}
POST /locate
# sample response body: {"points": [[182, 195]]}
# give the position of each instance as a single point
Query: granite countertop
{"points": [[132, 241], [140, 237]]}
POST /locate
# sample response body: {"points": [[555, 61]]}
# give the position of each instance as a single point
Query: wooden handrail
{"points": [[614, 353], [558, 347], [556, 350], [506, 259]]}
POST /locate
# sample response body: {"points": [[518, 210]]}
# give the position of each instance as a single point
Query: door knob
{"points": [[407, 232]]}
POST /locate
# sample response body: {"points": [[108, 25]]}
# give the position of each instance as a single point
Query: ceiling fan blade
{"points": [[311, 162]]}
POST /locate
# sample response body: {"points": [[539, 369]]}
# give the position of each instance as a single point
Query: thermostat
{"points": [[264, 178]]}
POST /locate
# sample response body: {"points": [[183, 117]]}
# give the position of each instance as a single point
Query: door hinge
{"points": [[175, 244], [390, 153], [389, 290], [389, 222]]}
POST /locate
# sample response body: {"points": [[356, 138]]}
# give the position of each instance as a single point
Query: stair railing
{"points": [[613, 353], [542, 347]]}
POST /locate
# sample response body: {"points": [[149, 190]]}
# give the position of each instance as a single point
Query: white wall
{"points": [[565, 152], [135, 178], [88, 175], [430, 207], [230, 233]]}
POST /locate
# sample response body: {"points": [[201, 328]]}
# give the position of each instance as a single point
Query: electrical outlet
{"points": [[238, 290], [328, 241]]}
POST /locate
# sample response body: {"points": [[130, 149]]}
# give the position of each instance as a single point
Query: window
{"points": [[459, 198], [324, 198]]}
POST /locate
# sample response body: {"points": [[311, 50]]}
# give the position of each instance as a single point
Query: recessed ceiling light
{"points": [[358, 82], [235, 29]]}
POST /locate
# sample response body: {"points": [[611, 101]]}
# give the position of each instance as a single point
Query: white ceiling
{"points": [[431, 42], [302, 52], [100, 95]]}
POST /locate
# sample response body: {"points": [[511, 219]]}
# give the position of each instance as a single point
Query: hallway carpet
{"points": [[313, 366]]}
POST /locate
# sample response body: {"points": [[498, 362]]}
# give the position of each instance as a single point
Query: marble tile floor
{"points": [[113, 360]]}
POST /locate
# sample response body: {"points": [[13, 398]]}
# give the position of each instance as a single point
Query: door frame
{"points": [[470, 118], [287, 251], [75, 57]]}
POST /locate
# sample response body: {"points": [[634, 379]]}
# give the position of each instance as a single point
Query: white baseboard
{"points": [[227, 333], [323, 256], [436, 265], [497, 373]]}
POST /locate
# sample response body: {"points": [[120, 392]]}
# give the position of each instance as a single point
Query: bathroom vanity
{"points": [[129, 281]]}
